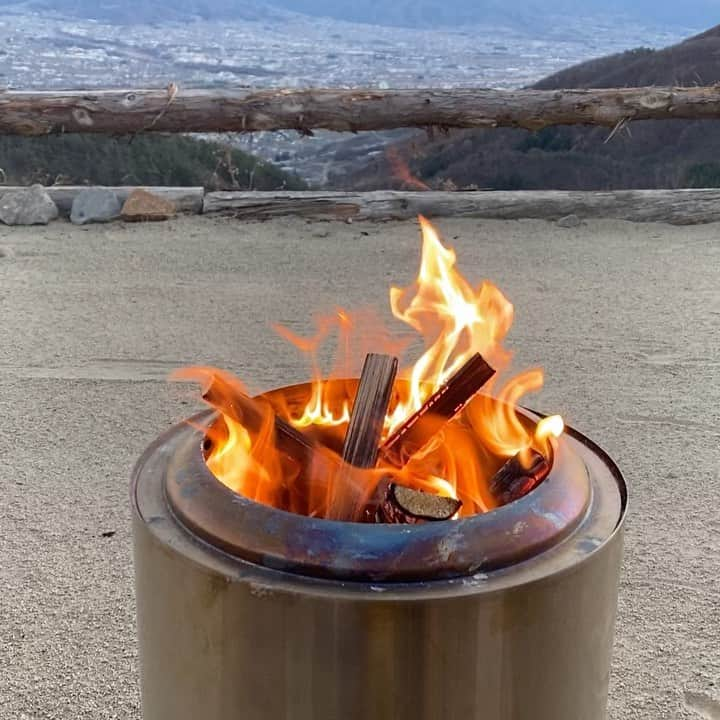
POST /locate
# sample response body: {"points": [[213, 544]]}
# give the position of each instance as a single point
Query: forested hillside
{"points": [[143, 160]]}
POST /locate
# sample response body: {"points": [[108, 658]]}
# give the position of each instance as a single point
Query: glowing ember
{"points": [[455, 321]]}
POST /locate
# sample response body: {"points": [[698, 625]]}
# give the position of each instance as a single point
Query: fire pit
{"points": [[402, 545]]}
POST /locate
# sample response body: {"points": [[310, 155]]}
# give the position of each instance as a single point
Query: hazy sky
{"points": [[688, 12], [527, 14]]}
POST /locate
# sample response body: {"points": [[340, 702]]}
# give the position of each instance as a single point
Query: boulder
{"points": [[143, 205], [95, 205], [29, 206]]}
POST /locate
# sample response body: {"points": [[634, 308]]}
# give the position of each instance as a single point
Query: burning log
{"points": [[441, 407], [309, 458], [246, 411], [362, 441], [519, 475], [347, 492], [405, 506]]}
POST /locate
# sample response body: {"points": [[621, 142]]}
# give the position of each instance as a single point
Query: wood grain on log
{"points": [[362, 441], [407, 506], [247, 110], [186, 199], [678, 207]]}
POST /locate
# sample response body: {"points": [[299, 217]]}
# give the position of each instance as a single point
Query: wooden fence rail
{"points": [[244, 110], [678, 207]]}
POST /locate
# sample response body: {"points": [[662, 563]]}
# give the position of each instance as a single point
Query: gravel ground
{"points": [[624, 318]]}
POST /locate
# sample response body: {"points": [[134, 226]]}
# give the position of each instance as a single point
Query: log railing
{"points": [[245, 110], [677, 207]]}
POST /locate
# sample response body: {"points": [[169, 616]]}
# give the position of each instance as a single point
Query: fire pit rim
{"points": [[149, 509], [378, 568]]}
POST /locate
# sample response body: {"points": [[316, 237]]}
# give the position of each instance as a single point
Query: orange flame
{"points": [[400, 170], [244, 458], [455, 320]]}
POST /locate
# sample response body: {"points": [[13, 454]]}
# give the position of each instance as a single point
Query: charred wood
{"points": [[406, 506], [519, 475], [441, 407], [250, 413], [367, 419]]}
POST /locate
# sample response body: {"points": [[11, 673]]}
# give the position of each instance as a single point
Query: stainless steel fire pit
{"points": [[247, 611]]}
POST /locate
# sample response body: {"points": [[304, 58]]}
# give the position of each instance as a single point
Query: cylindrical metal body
{"points": [[221, 637]]}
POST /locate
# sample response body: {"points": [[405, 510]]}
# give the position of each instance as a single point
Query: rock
{"points": [[29, 206], [569, 221], [144, 205], [95, 205]]}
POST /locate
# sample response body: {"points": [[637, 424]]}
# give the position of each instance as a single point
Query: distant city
{"points": [[41, 50]]}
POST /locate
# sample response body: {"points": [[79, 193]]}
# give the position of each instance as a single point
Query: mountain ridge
{"points": [[694, 61]]}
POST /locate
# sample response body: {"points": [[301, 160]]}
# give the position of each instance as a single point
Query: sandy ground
{"points": [[625, 319]]}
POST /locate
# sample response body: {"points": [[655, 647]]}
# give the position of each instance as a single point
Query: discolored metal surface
{"points": [[373, 552], [222, 636]]}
